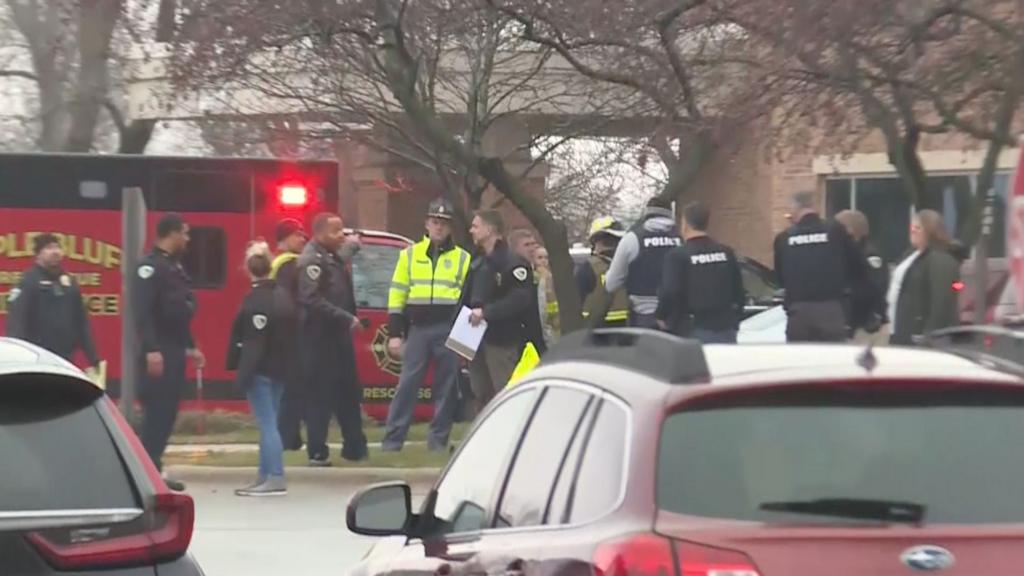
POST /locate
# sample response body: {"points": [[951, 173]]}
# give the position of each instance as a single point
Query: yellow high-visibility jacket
{"points": [[419, 281]]}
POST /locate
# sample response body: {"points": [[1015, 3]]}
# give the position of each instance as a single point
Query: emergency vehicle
{"points": [[227, 202]]}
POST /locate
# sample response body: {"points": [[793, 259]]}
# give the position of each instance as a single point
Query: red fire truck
{"points": [[227, 202]]}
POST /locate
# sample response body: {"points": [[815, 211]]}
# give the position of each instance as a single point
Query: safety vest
{"points": [[280, 260], [619, 310], [419, 281], [527, 361]]}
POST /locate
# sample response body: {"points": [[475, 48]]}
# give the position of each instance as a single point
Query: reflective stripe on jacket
{"points": [[420, 281]]}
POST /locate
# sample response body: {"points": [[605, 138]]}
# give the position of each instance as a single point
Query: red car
{"points": [[635, 453]]}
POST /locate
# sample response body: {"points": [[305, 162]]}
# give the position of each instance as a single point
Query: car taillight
{"points": [[652, 555], [958, 286], [161, 534]]}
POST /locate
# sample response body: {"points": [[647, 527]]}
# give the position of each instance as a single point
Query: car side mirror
{"points": [[381, 510]]}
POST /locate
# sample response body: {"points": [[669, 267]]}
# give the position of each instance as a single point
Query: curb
{"points": [[417, 476]]}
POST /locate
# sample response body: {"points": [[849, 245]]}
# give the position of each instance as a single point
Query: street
{"points": [[302, 533]]}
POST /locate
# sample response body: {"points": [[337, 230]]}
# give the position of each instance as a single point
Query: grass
{"points": [[415, 456], [231, 428]]}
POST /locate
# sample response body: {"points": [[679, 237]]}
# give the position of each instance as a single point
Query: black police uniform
{"points": [[163, 309], [702, 291], [645, 271], [293, 404], [262, 334], [327, 308], [867, 305], [502, 285], [46, 309], [817, 262]]}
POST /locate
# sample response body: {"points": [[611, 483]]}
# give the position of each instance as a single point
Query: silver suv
{"points": [[77, 492]]}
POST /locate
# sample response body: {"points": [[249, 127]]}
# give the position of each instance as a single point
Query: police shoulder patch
{"points": [[520, 273], [145, 271], [313, 271], [13, 294], [875, 261], [259, 321], [65, 281]]}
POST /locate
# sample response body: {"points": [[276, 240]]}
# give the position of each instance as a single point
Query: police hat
{"points": [[440, 208]]}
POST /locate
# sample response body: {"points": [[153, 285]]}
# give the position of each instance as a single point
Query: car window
{"points": [[372, 269], [758, 289], [541, 458], [598, 486], [956, 452], [56, 451], [464, 495]]}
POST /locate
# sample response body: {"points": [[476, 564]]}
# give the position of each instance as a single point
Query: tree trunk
{"points": [[95, 28], [904, 157], [135, 137]]}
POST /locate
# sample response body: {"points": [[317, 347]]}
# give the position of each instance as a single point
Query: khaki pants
{"points": [[880, 338], [490, 370]]}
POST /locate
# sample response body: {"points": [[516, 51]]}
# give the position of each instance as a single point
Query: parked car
{"points": [[633, 452], [77, 491]]}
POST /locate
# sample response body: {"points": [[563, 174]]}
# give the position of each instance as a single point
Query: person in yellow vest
{"points": [[423, 301], [291, 239], [605, 234]]}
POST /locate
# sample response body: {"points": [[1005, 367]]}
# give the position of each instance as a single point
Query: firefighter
{"points": [[291, 239], [327, 319], [605, 234], [639, 260], [164, 308], [425, 291], [817, 263], [46, 306], [702, 293], [501, 292]]}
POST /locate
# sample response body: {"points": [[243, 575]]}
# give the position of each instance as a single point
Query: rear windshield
{"points": [[372, 269], [55, 451], [958, 453]]}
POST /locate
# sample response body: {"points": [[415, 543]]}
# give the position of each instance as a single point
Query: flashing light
{"points": [[958, 286], [293, 195]]}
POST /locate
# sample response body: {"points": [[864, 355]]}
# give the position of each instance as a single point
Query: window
{"points": [[837, 196], [757, 287], [57, 452], [202, 191], [599, 484], [205, 259], [949, 449], [541, 459], [465, 493], [888, 211], [372, 269]]}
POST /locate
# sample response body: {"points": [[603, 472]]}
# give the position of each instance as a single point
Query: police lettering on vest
{"points": [[713, 258], [661, 242], [804, 239]]}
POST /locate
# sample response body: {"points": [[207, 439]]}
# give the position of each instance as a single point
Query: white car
{"points": [[768, 327]]}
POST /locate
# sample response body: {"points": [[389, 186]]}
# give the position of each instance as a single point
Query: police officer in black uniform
{"points": [[640, 258], [702, 293], [327, 319], [46, 307], [502, 293], [164, 309], [817, 263]]}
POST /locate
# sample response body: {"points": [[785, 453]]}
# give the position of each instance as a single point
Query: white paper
{"points": [[465, 338]]}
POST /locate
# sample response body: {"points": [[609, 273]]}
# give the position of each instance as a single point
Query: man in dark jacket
{"points": [[501, 293], [291, 239], [327, 311], [46, 306], [867, 310]]}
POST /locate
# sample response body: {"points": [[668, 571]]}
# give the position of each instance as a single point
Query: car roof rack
{"points": [[656, 354]]}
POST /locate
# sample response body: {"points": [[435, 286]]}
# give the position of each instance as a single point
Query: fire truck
{"points": [[227, 203]]}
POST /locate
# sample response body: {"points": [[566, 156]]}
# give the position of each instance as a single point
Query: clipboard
{"points": [[464, 339]]}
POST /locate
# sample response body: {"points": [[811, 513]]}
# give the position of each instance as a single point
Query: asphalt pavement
{"points": [[302, 533]]}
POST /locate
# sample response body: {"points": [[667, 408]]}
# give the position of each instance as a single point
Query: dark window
{"points": [[953, 199], [837, 196], [372, 269], [542, 457], [887, 209], [997, 237], [599, 485], [954, 450], [57, 453], [464, 495], [181, 191], [758, 288], [205, 259]]}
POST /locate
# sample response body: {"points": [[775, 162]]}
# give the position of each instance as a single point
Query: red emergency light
{"points": [[958, 286], [292, 195]]}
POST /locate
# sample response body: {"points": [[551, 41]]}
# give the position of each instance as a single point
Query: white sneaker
{"points": [[272, 486]]}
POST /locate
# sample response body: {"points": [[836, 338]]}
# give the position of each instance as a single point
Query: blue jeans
{"points": [[264, 397]]}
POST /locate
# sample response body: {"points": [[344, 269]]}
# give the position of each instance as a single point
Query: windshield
{"points": [[372, 268], [827, 455]]}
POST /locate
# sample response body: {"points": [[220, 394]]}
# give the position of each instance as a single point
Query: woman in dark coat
{"points": [[922, 297]]}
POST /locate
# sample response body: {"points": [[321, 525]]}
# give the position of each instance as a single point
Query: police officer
{"points": [[868, 312], [291, 239], [702, 293], [639, 259], [524, 244], [605, 233], [46, 306], [425, 291], [500, 293], [817, 264], [164, 308], [328, 317]]}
